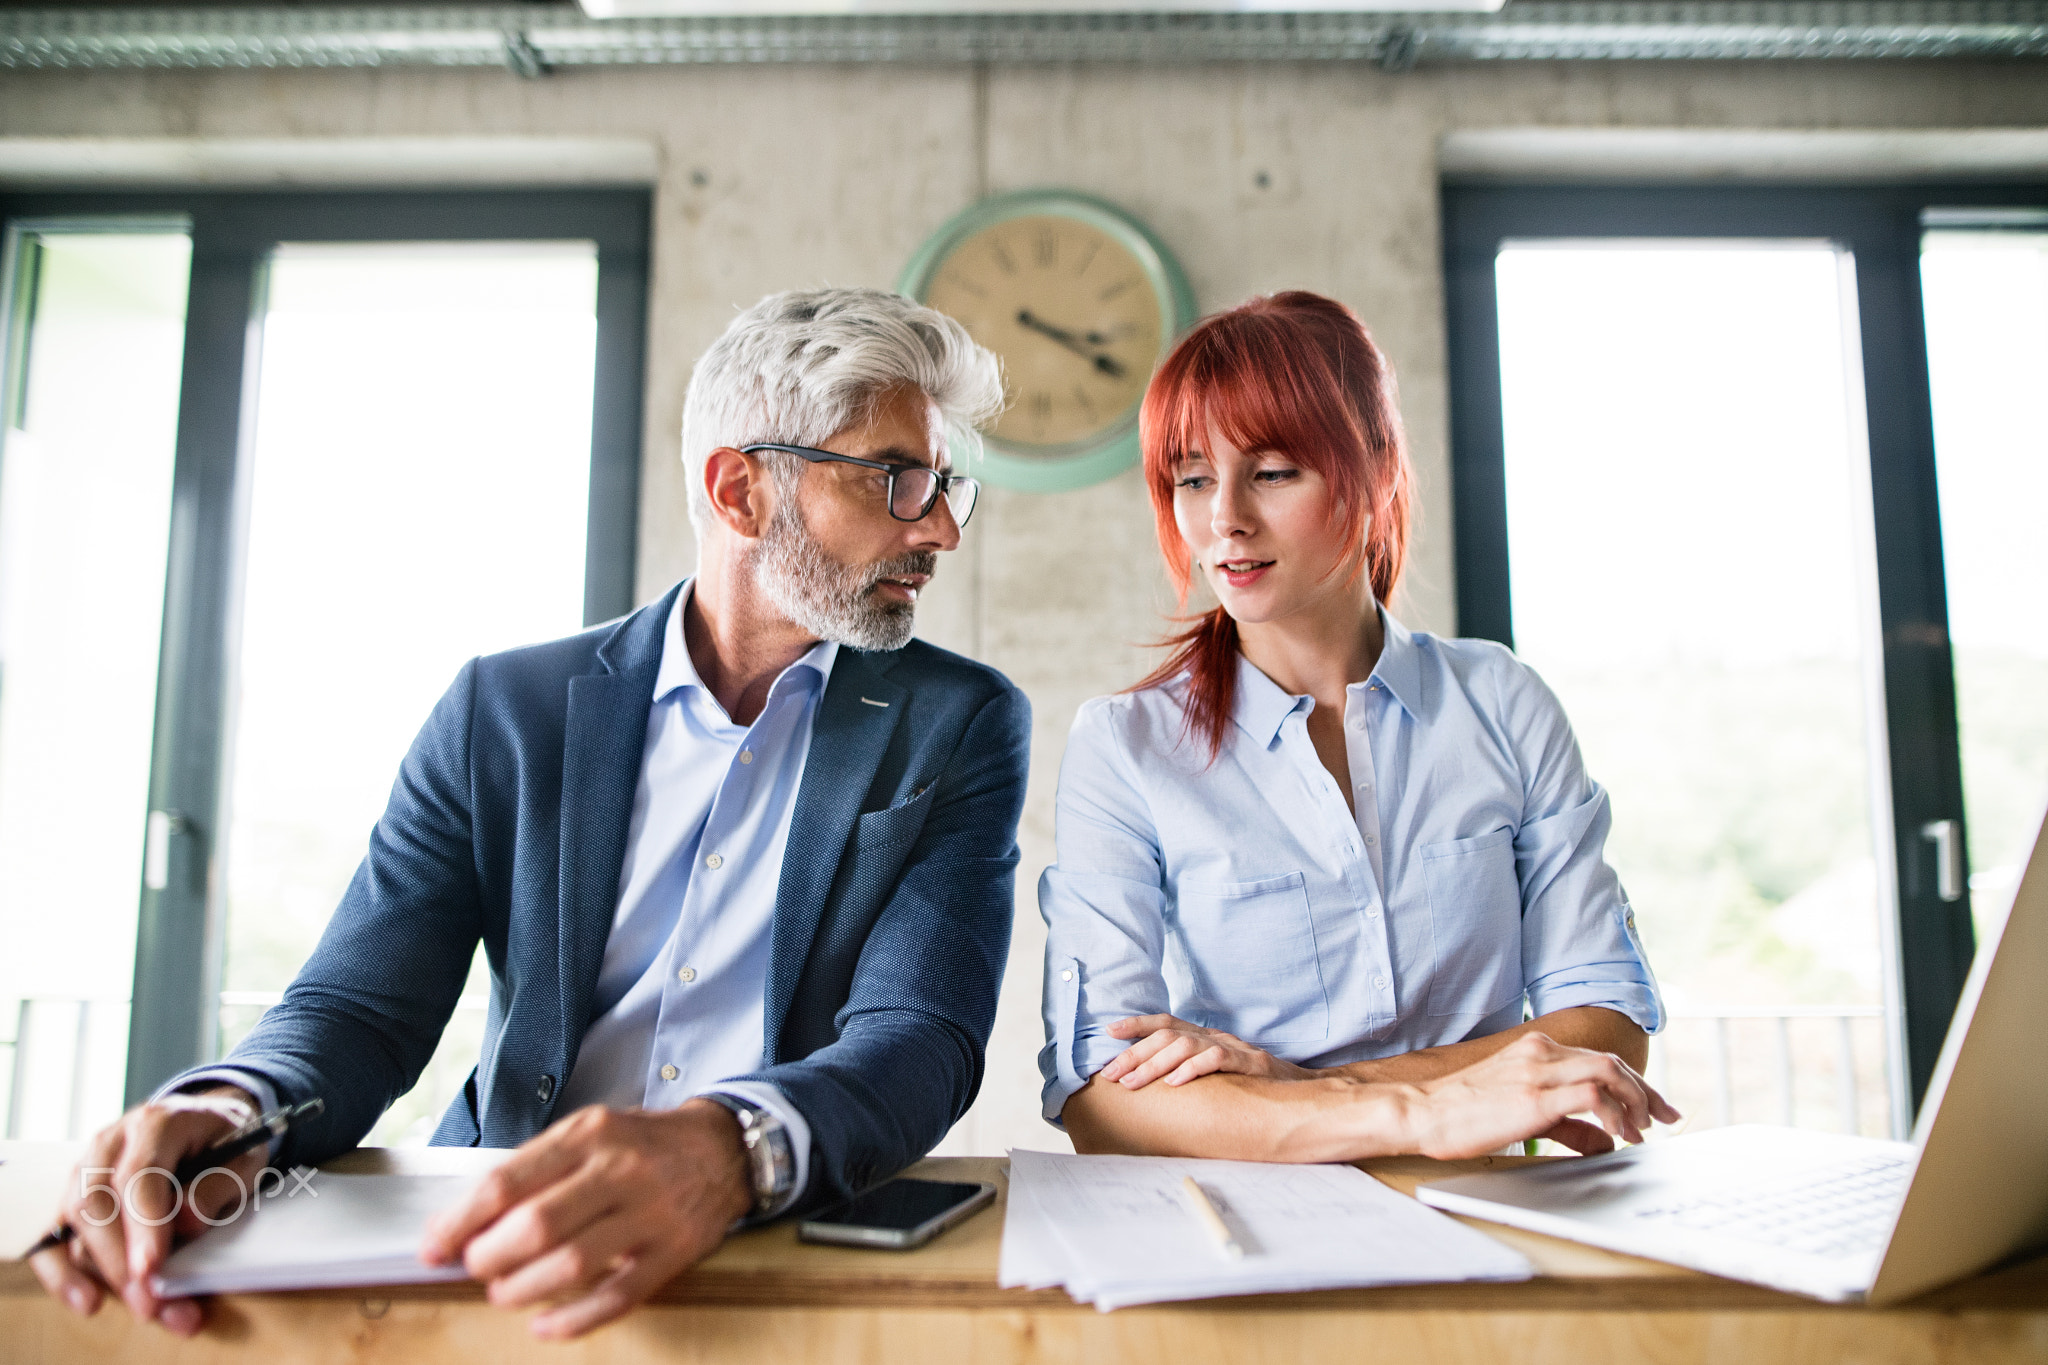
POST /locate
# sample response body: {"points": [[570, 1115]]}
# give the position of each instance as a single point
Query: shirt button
{"points": [[686, 974], [1066, 976], [668, 1073], [1371, 839], [714, 862], [1629, 919], [1380, 982], [746, 756], [1372, 912]]}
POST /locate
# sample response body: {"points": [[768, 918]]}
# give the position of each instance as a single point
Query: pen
{"points": [[263, 1128], [1205, 1212]]}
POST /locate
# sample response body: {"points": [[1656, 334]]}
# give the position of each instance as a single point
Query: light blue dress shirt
{"points": [[682, 987], [680, 993], [1242, 895]]}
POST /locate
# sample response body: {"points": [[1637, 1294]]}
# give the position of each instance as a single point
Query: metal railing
{"points": [[31, 1050], [1783, 1071], [21, 1049]]}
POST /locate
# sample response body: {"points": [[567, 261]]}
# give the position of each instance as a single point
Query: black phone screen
{"points": [[899, 1205]]}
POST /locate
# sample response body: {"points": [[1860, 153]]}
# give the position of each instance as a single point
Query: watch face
{"points": [[1075, 316]]}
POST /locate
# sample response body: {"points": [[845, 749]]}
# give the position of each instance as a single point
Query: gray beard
{"points": [[833, 601]]}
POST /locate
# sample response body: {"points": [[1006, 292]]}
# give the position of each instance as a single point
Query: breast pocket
{"points": [[1475, 918], [1252, 950], [901, 823]]}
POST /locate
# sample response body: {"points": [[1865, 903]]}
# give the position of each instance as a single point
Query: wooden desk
{"points": [[766, 1297]]}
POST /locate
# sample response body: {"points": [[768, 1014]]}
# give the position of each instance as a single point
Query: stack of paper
{"points": [[337, 1230], [1117, 1231]]}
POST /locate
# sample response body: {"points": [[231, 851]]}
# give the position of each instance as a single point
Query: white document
{"points": [[339, 1230], [1116, 1231], [1033, 1257]]}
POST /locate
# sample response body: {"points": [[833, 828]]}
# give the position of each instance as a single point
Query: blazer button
{"points": [[546, 1089]]}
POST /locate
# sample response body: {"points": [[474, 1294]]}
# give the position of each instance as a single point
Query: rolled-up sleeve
{"points": [[1103, 908], [1579, 940]]}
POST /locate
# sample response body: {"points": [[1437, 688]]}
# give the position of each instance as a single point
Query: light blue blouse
{"points": [[1243, 895]]}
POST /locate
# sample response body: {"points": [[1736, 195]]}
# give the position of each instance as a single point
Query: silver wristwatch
{"points": [[770, 1158]]}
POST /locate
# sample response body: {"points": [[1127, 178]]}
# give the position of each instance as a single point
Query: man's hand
{"points": [[1173, 1050], [123, 1207], [1531, 1088], [598, 1212]]}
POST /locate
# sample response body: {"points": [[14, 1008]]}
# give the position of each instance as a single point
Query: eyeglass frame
{"points": [[941, 485]]}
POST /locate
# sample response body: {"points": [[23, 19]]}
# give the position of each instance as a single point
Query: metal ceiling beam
{"points": [[531, 40]]}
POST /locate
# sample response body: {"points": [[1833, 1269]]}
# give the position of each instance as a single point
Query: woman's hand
{"points": [[1531, 1088], [1176, 1051]]}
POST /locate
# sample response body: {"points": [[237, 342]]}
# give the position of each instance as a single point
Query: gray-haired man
{"points": [[741, 864]]}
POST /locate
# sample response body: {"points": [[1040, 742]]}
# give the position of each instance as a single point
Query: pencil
{"points": [[1205, 1212]]}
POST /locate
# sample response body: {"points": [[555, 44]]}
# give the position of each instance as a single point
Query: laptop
{"points": [[1835, 1217]]}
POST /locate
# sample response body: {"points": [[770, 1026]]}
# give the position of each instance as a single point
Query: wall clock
{"points": [[1082, 302]]}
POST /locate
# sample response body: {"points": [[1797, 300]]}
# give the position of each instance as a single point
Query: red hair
{"points": [[1292, 372]]}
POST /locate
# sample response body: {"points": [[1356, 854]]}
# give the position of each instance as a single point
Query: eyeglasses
{"points": [[914, 489]]}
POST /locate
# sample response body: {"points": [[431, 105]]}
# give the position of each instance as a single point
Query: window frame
{"points": [[174, 1017], [1881, 227]]}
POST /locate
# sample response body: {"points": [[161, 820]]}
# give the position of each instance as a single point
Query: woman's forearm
{"points": [[1246, 1118], [1531, 1087], [1587, 1026]]}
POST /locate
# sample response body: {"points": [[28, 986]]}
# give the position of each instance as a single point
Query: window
{"points": [[85, 497], [1704, 485], [427, 448], [1984, 277]]}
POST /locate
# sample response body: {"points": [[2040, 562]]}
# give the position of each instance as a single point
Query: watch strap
{"points": [[771, 1160]]}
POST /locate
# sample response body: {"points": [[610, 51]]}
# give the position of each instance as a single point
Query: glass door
{"points": [[95, 312], [1692, 576], [1749, 472], [275, 465], [420, 488], [1984, 278]]}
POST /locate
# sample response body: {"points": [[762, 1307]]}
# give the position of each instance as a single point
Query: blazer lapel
{"points": [[856, 717], [603, 739]]}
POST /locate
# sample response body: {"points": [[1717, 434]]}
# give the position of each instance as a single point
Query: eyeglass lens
{"points": [[917, 489]]}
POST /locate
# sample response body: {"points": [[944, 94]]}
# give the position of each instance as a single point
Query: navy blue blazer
{"points": [[508, 824]]}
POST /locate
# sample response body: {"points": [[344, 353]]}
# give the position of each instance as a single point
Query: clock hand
{"points": [[1037, 324], [1107, 364]]}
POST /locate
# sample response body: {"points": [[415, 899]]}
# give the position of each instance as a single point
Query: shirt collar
{"points": [[1400, 667], [1263, 705], [679, 670]]}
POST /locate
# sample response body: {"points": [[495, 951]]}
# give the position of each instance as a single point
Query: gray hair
{"points": [[801, 365]]}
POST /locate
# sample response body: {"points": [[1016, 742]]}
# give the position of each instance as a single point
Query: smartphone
{"points": [[898, 1214]]}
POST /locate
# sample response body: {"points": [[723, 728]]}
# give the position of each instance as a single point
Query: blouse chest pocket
{"points": [[1475, 919], [1252, 950]]}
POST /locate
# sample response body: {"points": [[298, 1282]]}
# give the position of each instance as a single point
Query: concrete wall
{"points": [[1258, 176]]}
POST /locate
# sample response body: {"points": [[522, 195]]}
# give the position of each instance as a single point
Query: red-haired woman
{"points": [[1311, 870]]}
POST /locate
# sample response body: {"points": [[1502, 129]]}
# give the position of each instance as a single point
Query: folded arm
{"points": [[1528, 1088], [1176, 1051]]}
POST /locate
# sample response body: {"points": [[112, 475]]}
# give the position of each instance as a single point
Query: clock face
{"points": [[1073, 313]]}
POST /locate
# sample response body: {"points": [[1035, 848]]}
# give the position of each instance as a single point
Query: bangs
{"points": [[1261, 395]]}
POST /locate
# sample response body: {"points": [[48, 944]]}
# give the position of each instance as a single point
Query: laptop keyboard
{"points": [[1834, 1213]]}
